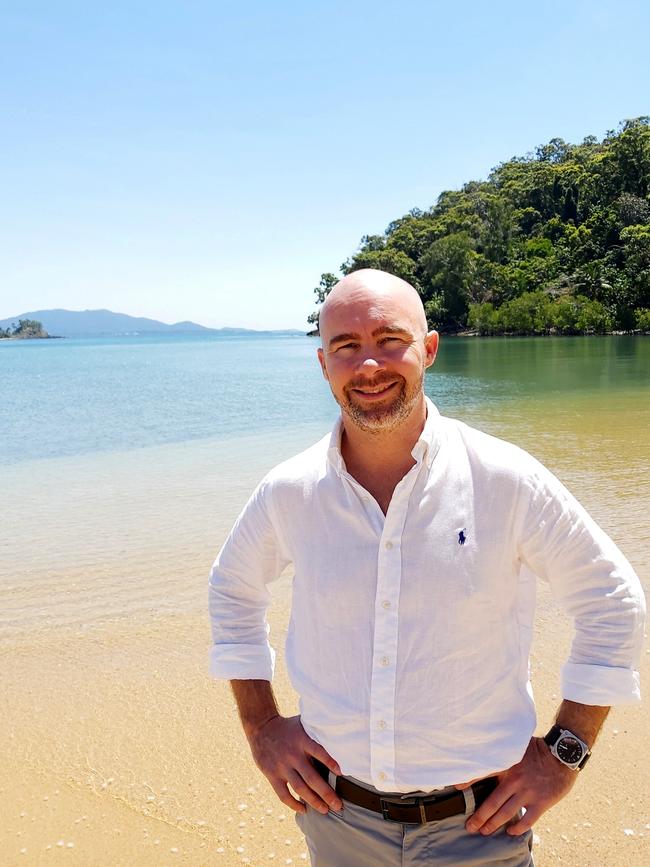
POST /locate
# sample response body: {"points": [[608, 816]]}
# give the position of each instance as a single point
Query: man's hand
{"points": [[537, 782], [282, 750]]}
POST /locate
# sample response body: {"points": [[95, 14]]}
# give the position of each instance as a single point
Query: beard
{"points": [[384, 415]]}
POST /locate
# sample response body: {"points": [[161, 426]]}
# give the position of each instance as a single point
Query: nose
{"points": [[370, 363]]}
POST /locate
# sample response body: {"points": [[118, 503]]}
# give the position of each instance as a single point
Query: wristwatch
{"points": [[567, 747]]}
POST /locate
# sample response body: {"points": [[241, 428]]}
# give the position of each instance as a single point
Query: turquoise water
{"points": [[67, 397], [70, 397], [123, 465], [125, 461]]}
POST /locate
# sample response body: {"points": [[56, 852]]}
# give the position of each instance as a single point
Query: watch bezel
{"points": [[566, 733]]}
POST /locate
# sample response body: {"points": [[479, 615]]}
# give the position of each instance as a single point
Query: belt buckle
{"points": [[406, 801]]}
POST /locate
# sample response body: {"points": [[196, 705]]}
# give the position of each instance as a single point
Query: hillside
{"points": [[557, 241], [97, 323]]}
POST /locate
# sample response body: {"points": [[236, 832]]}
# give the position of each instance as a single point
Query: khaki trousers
{"points": [[357, 837]]}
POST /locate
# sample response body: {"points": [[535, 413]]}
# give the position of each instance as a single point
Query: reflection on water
{"points": [[580, 405], [503, 367]]}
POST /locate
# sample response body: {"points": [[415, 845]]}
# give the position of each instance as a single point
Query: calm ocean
{"points": [[125, 460], [71, 397], [124, 463]]}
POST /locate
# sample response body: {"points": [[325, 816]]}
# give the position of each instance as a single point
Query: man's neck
{"points": [[383, 449]]}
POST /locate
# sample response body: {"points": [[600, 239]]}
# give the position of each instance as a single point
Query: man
{"points": [[414, 539]]}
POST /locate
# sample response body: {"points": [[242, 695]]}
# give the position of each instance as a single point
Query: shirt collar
{"points": [[425, 449]]}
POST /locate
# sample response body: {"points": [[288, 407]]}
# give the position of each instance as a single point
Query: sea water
{"points": [[124, 462]]}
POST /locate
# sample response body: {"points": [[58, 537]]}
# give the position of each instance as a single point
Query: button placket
{"points": [[383, 677]]}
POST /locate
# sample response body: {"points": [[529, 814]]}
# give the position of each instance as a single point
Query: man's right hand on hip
{"points": [[282, 750]]}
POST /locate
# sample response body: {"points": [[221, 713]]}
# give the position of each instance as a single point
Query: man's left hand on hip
{"points": [[535, 783]]}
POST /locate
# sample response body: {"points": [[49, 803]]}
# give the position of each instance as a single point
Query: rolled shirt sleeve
{"points": [[594, 583], [239, 596]]}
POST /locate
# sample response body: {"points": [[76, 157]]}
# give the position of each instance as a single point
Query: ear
{"points": [[431, 342], [321, 359]]}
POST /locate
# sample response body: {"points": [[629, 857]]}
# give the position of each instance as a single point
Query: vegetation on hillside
{"points": [[554, 242], [26, 328]]}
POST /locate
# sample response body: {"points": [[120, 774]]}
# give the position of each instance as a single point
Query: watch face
{"points": [[569, 749]]}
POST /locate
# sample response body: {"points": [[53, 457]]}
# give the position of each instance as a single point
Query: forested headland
{"points": [[555, 242], [25, 329]]}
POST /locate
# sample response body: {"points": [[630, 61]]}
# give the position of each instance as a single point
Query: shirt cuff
{"points": [[600, 685], [242, 661]]}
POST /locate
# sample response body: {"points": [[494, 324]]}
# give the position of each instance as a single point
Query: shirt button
{"points": [[381, 775], [385, 660], [389, 545], [385, 604], [382, 724]]}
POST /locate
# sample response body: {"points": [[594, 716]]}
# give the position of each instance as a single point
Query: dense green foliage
{"points": [[25, 328], [554, 242]]}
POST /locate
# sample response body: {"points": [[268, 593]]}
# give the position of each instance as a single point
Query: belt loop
{"points": [[470, 800]]}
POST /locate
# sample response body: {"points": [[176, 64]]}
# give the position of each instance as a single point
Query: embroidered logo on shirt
{"points": [[462, 538]]}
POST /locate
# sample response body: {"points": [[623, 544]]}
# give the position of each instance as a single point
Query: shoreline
{"points": [[134, 755], [35, 337], [472, 332]]}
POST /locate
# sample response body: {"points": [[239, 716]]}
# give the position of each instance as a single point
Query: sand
{"points": [[118, 749]]}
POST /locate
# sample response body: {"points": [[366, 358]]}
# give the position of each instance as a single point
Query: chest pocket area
{"points": [[453, 578], [340, 588]]}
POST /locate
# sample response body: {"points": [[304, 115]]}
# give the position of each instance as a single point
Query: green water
{"points": [[581, 405], [134, 457]]}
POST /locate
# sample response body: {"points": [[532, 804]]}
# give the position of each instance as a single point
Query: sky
{"points": [[209, 160]]}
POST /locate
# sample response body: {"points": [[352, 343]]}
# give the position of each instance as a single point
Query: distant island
{"points": [[106, 323], [554, 242], [24, 329]]}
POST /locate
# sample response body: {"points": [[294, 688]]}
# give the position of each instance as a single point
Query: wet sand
{"points": [[118, 749]]}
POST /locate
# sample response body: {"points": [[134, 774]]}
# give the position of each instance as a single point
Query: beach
{"points": [[117, 747]]}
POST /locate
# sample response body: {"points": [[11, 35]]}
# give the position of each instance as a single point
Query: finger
{"points": [[306, 792], [462, 786], [283, 793], [525, 823], [319, 752], [504, 814], [489, 807], [318, 784]]}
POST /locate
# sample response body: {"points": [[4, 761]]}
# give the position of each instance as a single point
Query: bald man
{"points": [[415, 541]]}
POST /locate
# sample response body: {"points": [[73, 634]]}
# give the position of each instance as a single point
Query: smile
{"points": [[374, 393]]}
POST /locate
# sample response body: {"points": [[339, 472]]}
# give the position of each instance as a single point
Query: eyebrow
{"points": [[383, 329]]}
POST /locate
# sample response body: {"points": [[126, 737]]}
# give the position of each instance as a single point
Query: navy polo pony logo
{"points": [[462, 538]]}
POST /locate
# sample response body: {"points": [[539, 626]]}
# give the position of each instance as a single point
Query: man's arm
{"points": [[595, 585], [250, 559], [539, 780], [282, 749]]}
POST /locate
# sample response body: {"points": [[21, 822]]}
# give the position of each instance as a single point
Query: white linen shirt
{"points": [[410, 633]]}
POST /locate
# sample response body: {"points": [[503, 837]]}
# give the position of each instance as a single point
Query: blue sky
{"points": [[208, 160]]}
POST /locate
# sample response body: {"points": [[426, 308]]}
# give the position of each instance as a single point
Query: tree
{"points": [[327, 283], [567, 220], [449, 264], [636, 246], [25, 328], [387, 259]]}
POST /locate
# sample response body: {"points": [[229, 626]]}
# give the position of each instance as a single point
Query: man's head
{"points": [[375, 349]]}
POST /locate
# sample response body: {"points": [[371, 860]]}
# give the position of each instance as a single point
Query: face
{"points": [[374, 355]]}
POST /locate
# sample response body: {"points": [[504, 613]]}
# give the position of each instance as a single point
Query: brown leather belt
{"points": [[409, 810]]}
